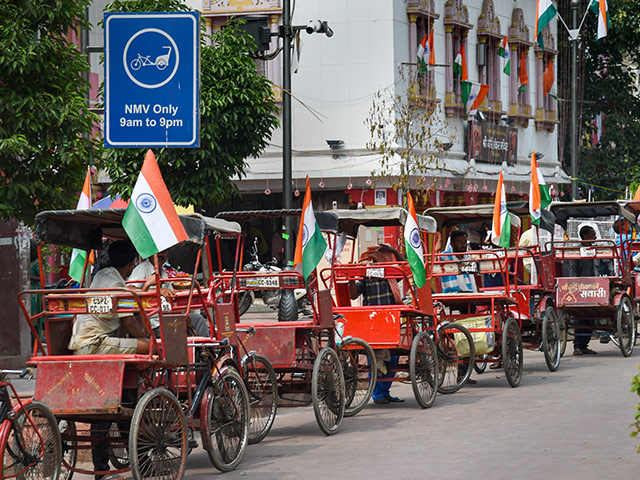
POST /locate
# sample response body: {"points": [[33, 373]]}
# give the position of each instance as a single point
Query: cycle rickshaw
{"points": [[188, 379], [492, 315], [313, 364], [427, 352], [535, 309], [607, 305]]}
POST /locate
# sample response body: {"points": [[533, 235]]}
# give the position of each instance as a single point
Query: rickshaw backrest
{"points": [[226, 319], [325, 310], [343, 297], [58, 329], [174, 332]]}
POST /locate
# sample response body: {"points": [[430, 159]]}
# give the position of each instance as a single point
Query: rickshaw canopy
{"points": [[563, 211], [84, 229], [449, 216], [349, 220]]}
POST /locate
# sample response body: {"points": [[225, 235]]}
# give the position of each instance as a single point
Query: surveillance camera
{"points": [[314, 26], [327, 30], [481, 116], [334, 204]]}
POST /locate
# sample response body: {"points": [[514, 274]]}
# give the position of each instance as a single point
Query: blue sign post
{"points": [[152, 78]]}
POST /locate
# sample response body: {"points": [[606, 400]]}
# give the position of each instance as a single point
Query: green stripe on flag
{"points": [[417, 267], [312, 253], [505, 232], [76, 266], [138, 233]]}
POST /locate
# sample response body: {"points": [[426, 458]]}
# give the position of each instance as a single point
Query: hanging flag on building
{"points": [[548, 78], [501, 225], [503, 52], [539, 197], [413, 245], [522, 72], [310, 245], [601, 9], [426, 55], [78, 257], [473, 94], [460, 65], [545, 11], [151, 221]]}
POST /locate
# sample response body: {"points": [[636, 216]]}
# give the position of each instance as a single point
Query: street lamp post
{"points": [[574, 99]]}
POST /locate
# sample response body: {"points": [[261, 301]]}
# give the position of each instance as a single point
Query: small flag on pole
{"points": [[310, 245], [522, 73], [601, 9], [545, 12], [539, 197], [151, 220], [548, 78], [503, 52], [413, 245], [501, 226], [473, 94], [460, 65], [426, 55], [78, 257]]}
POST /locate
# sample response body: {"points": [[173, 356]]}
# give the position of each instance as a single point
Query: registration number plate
{"points": [[165, 305], [263, 282], [468, 267], [102, 304]]}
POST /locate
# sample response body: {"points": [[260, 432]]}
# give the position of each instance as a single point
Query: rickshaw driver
{"points": [[98, 333], [460, 282], [380, 291]]}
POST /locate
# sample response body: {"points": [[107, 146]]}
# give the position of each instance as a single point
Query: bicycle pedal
{"points": [[605, 339], [192, 442]]}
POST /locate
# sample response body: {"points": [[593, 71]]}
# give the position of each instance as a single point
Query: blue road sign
{"points": [[152, 78]]}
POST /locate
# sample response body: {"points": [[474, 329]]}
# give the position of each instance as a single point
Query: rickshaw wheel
{"points": [[327, 391], [551, 339], [564, 331], [625, 331], [454, 370], [512, 351], [423, 369], [359, 369], [480, 367], [118, 455], [158, 438], [224, 420], [46, 453], [262, 385], [69, 448]]}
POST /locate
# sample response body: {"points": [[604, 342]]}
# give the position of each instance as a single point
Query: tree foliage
{"points": [[45, 127], [610, 87], [407, 132], [237, 116]]}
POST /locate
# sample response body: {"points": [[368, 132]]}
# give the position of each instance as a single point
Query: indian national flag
{"points": [[547, 78], [545, 11], [539, 197], [473, 94], [426, 55], [460, 65], [524, 77], [600, 8], [503, 52], [501, 226], [413, 246], [151, 220], [78, 257], [311, 245]]}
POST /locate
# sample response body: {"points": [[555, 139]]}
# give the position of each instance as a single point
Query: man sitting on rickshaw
{"points": [[380, 291], [99, 333], [461, 282]]}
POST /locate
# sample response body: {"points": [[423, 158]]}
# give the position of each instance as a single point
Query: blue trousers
{"points": [[383, 388]]}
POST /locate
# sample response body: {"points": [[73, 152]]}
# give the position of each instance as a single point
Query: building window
{"points": [[422, 16], [456, 26], [546, 117], [520, 78], [489, 39]]}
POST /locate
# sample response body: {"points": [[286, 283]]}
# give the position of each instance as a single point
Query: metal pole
{"points": [[286, 129], [574, 101]]}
